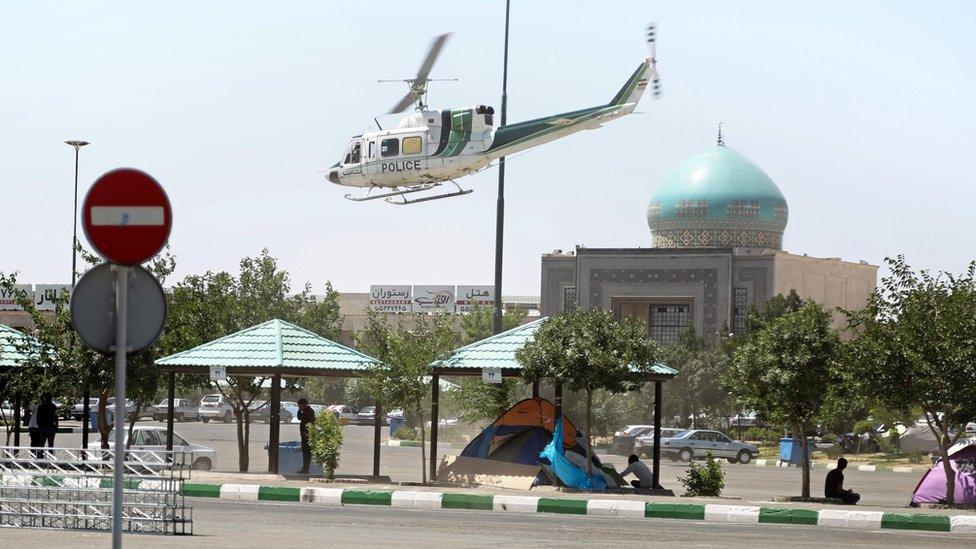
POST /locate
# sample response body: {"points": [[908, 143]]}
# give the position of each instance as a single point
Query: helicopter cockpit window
{"points": [[390, 147], [356, 153], [412, 145]]}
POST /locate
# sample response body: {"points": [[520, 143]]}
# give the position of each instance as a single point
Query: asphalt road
{"points": [[746, 482], [244, 524]]}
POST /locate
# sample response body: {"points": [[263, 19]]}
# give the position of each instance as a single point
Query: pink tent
{"points": [[932, 487]]}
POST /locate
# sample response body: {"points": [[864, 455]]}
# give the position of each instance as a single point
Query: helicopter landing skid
{"points": [[404, 201], [408, 190]]}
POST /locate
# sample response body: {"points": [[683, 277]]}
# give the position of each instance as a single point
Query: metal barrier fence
{"points": [[72, 488]]}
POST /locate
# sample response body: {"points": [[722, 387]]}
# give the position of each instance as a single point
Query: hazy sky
{"points": [[862, 112]]}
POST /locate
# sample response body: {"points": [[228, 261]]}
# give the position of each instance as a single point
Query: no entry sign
{"points": [[126, 216]]}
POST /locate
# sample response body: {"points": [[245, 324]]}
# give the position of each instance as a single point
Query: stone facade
{"points": [[712, 287]]}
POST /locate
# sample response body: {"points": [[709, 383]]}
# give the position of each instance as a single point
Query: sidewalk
{"points": [[548, 499]]}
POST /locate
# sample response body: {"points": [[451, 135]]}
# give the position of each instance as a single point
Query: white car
{"points": [[201, 458], [215, 407], [183, 409], [130, 410], [345, 412]]}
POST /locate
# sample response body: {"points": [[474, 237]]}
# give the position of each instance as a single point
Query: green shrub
{"points": [[325, 438], [834, 451], [887, 446], [704, 480], [406, 433], [762, 435], [915, 457]]}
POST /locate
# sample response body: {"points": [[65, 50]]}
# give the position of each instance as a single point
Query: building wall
{"points": [[829, 281], [630, 281], [607, 277]]}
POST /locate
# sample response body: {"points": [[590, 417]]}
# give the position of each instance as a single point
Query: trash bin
{"points": [[290, 458], [791, 450], [395, 423], [93, 420]]}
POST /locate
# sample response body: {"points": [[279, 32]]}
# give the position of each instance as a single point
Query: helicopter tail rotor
{"points": [[652, 47], [418, 84]]}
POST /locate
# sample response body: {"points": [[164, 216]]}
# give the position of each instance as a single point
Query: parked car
{"points": [[129, 409], [183, 409], [261, 411], [623, 441], [154, 438], [644, 445], [64, 411], [346, 413], [78, 410], [215, 407], [317, 408], [696, 443], [366, 416], [147, 411]]}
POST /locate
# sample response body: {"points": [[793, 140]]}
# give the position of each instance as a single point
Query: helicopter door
{"points": [[354, 160]]}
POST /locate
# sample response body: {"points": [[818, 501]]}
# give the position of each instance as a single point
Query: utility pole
{"points": [[496, 319], [86, 393]]}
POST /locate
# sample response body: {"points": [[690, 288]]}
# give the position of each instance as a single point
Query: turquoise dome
{"points": [[718, 198]]}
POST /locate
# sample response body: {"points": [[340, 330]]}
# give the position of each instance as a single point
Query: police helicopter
{"points": [[431, 147]]}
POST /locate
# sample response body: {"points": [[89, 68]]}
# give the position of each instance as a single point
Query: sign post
{"points": [[121, 291], [127, 219]]}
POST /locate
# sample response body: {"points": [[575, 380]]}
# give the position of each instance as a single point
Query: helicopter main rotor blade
{"points": [[435, 51], [404, 103]]}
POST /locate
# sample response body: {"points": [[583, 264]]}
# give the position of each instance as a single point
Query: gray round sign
{"points": [[93, 308]]}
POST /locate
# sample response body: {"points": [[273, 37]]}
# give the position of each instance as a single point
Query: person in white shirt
{"points": [[644, 477]]}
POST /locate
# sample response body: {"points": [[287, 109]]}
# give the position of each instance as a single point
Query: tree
{"points": [[403, 377], [916, 348], [783, 371], [589, 351], [475, 399], [698, 390]]}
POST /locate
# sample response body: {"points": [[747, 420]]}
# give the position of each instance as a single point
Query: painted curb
{"points": [[829, 466], [841, 518]]}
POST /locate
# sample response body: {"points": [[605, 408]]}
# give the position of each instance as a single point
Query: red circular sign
{"points": [[126, 216]]}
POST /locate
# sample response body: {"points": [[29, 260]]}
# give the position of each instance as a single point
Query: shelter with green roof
{"points": [[497, 353], [272, 349], [12, 355]]}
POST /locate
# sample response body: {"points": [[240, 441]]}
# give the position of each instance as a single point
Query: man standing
{"points": [[834, 485], [47, 420], [306, 415]]}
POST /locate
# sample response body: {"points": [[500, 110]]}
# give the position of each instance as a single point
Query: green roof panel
{"points": [[498, 351], [272, 344], [10, 341]]}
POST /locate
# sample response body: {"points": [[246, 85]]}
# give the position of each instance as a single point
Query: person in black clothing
{"points": [[47, 420], [834, 485], [306, 415]]}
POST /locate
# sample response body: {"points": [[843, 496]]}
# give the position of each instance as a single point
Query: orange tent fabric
{"points": [[538, 412]]}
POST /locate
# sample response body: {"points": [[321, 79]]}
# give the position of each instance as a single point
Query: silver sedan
{"points": [[696, 443]]}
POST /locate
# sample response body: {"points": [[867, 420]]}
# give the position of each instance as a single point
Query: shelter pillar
{"points": [[170, 408], [377, 435], [558, 398], [85, 412], [535, 389], [435, 390], [17, 408], [656, 473], [275, 416]]}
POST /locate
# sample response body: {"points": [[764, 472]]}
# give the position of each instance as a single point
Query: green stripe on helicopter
{"points": [[515, 134], [460, 132]]}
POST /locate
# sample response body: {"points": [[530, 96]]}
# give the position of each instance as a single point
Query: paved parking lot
{"points": [[746, 482]]}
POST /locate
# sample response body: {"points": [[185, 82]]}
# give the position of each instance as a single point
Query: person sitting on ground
{"points": [[834, 486], [644, 477]]}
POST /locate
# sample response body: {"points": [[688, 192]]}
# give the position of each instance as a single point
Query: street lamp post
{"points": [[74, 274], [496, 319]]}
